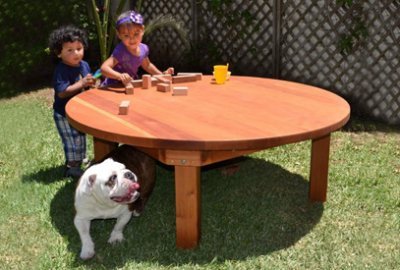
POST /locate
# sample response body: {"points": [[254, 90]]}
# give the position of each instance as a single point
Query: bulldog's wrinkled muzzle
{"points": [[131, 193]]}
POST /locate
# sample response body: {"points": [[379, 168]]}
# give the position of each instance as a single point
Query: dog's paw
{"points": [[87, 254], [136, 213], [116, 237]]}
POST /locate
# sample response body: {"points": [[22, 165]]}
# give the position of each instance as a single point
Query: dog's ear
{"points": [[115, 165], [88, 184], [108, 161]]}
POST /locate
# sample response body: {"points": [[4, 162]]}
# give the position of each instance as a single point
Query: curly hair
{"points": [[68, 33]]}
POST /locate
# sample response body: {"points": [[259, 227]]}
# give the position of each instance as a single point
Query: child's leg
{"points": [[74, 144], [79, 139]]}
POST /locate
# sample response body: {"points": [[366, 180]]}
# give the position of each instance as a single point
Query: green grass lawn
{"points": [[258, 218]]}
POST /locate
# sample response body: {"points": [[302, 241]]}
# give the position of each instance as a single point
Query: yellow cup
{"points": [[220, 73]]}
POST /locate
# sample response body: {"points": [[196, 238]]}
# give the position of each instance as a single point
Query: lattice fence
{"points": [[369, 77], [294, 40]]}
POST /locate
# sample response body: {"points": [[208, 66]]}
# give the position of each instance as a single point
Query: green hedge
{"points": [[25, 27]]}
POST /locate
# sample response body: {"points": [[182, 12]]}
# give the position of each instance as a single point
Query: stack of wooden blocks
{"points": [[164, 84]]}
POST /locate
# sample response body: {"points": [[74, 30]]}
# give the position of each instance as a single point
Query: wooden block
{"points": [[137, 83], [164, 87], [129, 90], [164, 78], [146, 81], [123, 107], [181, 88], [199, 75], [184, 78], [180, 91], [154, 81]]}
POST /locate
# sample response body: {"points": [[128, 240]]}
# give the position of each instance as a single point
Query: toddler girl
{"points": [[130, 53]]}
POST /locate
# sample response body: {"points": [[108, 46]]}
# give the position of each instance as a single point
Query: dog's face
{"points": [[110, 181]]}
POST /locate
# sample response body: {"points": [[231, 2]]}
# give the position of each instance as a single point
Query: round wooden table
{"points": [[211, 124]]}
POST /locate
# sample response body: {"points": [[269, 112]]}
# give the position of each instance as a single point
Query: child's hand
{"points": [[125, 78], [170, 70], [87, 81]]}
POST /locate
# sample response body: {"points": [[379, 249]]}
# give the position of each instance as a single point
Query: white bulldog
{"points": [[104, 191]]}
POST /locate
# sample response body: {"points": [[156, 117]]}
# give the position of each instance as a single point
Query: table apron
{"points": [[196, 158]]}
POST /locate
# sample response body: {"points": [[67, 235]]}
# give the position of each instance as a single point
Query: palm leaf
{"points": [[112, 28], [168, 21], [106, 30], [138, 6]]}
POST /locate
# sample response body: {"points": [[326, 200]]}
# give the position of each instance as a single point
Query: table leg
{"points": [[102, 148], [319, 169], [187, 201]]}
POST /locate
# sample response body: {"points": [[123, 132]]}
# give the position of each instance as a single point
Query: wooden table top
{"points": [[243, 114]]}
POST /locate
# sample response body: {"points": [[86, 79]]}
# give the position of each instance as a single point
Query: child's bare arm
{"points": [[152, 69], [108, 71], [77, 87]]}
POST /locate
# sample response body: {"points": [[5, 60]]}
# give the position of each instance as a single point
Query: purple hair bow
{"points": [[133, 17], [136, 18]]}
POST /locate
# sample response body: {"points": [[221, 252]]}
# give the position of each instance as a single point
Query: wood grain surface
{"points": [[244, 113]]}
